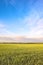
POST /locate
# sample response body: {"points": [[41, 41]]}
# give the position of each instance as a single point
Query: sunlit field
{"points": [[21, 54]]}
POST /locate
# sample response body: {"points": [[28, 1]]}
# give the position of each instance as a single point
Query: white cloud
{"points": [[4, 32], [7, 36], [35, 23]]}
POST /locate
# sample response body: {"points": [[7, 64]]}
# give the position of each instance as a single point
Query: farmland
{"points": [[21, 54]]}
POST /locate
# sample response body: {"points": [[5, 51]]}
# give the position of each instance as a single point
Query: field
{"points": [[21, 54]]}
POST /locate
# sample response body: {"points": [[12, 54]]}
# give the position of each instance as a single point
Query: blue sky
{"points": [[21, 18]]}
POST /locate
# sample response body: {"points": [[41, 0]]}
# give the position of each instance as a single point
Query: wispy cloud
{"points": [[4, 32], [9, 2], [1, 25], [35, 24], [34, 35], [30, 26]]}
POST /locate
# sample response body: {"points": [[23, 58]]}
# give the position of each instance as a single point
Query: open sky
{"points": [[21, 18]]}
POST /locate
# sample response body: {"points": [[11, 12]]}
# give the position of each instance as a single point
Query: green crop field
{"points": [[21, 54]]}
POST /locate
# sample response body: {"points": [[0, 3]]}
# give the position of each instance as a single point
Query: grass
{"points": [[21, 54]]}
